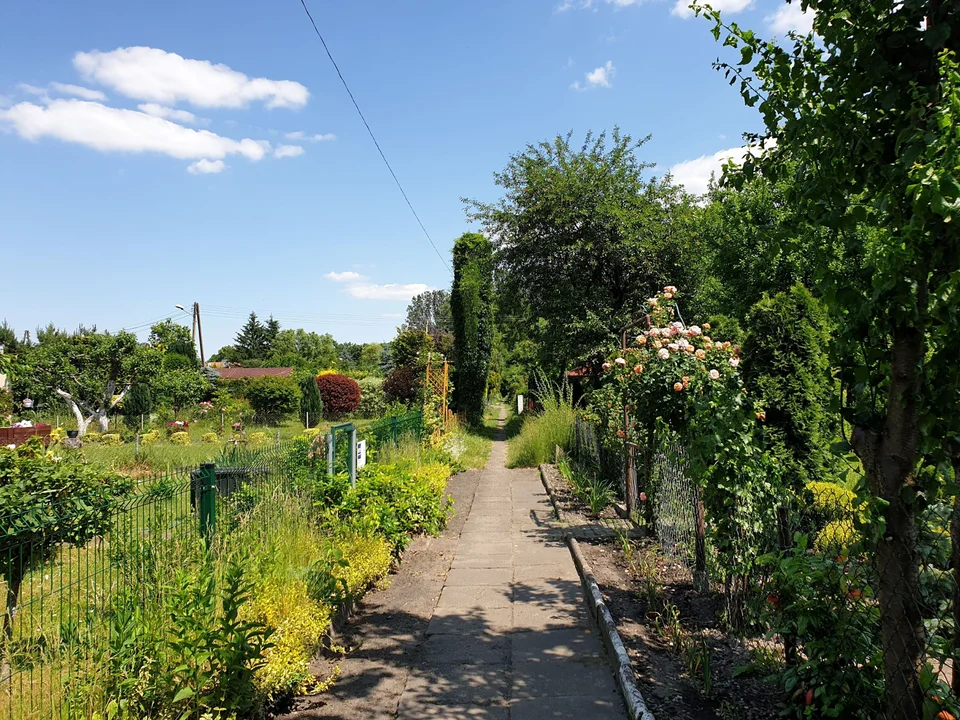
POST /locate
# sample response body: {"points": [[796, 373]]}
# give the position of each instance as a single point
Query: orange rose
{"points": [[678, 386]]}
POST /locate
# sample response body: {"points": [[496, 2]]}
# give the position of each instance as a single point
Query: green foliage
{"points": [[255, 340], [341, 395], [373, 399], [180, 388], [273, 398], [825, 603], [171, 337], [410, 348], [47, 501], [430, 311], [582, 238], [304, 350], [787, 368], [831, 501], [311, 403], [724, 328], [137, 403], [541, 434], [471, 304]]}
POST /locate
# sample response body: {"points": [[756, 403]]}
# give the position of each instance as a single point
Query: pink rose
{"points": [[734, 361], [664, 354], [620, 361], [694, 330], [643, 497], [606, 366], [714, 374], [674, 346]]}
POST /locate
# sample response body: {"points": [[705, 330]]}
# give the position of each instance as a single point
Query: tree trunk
{"points": [[103, 421], [14, 582], [889, 459]]}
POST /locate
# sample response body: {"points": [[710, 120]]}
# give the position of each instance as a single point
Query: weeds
{"points": [[541, 434]]}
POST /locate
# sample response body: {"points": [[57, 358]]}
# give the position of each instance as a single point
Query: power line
{"points": [[372, 136]]}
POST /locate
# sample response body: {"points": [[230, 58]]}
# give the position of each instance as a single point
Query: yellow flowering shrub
{"points": [[150, 438], [180, 438], [57, 434], [111, 439], [299, 625], [92, 437], [835, 536], [368, 560], [831, 500], [433, 475], [210, 438], [257, 438], [328, 371], [311, 432]]}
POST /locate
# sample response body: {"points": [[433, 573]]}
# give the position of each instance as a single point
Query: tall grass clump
{"points": [[541, 434]]}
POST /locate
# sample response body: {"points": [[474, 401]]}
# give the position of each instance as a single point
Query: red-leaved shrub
{"points": [[341, 395], [401, 385]]}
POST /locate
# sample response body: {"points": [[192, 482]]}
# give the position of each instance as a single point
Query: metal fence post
{"points": [[330, 451], [393, 428], [352, 457], [208, 500]]}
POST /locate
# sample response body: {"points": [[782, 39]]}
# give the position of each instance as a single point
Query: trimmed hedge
{"points": [[341, 395]]}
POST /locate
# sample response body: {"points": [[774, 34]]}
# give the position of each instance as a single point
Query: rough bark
{"points": [[94, 414], [889, 459]]}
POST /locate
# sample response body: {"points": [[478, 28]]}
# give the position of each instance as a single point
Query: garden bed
{"points": [[575, 511], [640, 593]]}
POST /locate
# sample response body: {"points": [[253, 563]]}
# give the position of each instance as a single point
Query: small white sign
{"points": [[519, 404], [361, 454], [27, 403]]}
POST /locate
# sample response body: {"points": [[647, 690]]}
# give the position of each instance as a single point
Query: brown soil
{"points": [[662, 674], [575, 512]]}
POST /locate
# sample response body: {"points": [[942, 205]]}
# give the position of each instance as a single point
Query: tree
{"points": [[410, 348], [370, 355], [301, 349], [311, 404], [173, 338], [865, 112], [471, 304], [137, 403], [92, 372], [253, 340], [180, 388], [430, 311], [341, 395], [8, 339], [273, 397], [348, 353], [582, 238]]}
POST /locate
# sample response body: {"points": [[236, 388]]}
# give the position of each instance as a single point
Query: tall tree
{"points": [[252, 342], [429, 311], [471, 304], [582, 239], [865, 112]]}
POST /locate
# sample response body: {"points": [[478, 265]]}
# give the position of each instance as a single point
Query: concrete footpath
{"points": [[500, 632]]}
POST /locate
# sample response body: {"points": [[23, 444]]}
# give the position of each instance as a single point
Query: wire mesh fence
{"points": [[76, 571]]}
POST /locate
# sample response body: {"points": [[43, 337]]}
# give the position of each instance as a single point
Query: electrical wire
{"points": [[372, 136]]}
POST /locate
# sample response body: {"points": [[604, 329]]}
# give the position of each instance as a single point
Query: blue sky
{"points": [[162, 153]]}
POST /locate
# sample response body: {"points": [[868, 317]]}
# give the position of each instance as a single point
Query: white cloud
{"points": [[598, 77], [791, 18], [116, 130], [77, 91], [574, 5], [158, 76], [391, 291], [161, 111], [32, 89], [695, 175], [345, 276], [682, 7], [206, 167], [301, 135], [284, 151]]}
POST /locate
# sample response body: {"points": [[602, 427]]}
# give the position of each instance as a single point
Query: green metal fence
{"points": [[394, 429], [67, 573]]}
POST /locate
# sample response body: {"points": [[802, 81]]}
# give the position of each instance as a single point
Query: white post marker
{"points": [[519, 404], [361, 454]]}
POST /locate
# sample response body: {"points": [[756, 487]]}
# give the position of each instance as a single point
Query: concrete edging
{"points": [[546, 486], [636, 706]]}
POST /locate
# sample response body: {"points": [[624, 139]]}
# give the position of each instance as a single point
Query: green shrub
{"points": [[92, 437], [311, 403], [724, 328], [180, 438], [111, 439], [211, 438], [373, 399], [272, 398], [831, 501], [257, 438], [836, 536], [786, 367]]}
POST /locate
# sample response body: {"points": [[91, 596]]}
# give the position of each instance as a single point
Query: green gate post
{"points": [[393, 428], [208, 500]]}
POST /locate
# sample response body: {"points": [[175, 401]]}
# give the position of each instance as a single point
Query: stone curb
{"points": [[636, 706]]}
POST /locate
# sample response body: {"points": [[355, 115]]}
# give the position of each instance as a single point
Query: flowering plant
{"points": [[675, 380]]}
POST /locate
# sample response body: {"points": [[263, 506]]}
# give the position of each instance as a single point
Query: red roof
{"points": [[236, 373]]}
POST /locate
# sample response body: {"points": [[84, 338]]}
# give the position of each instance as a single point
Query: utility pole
{"points": [[196, 318]]}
